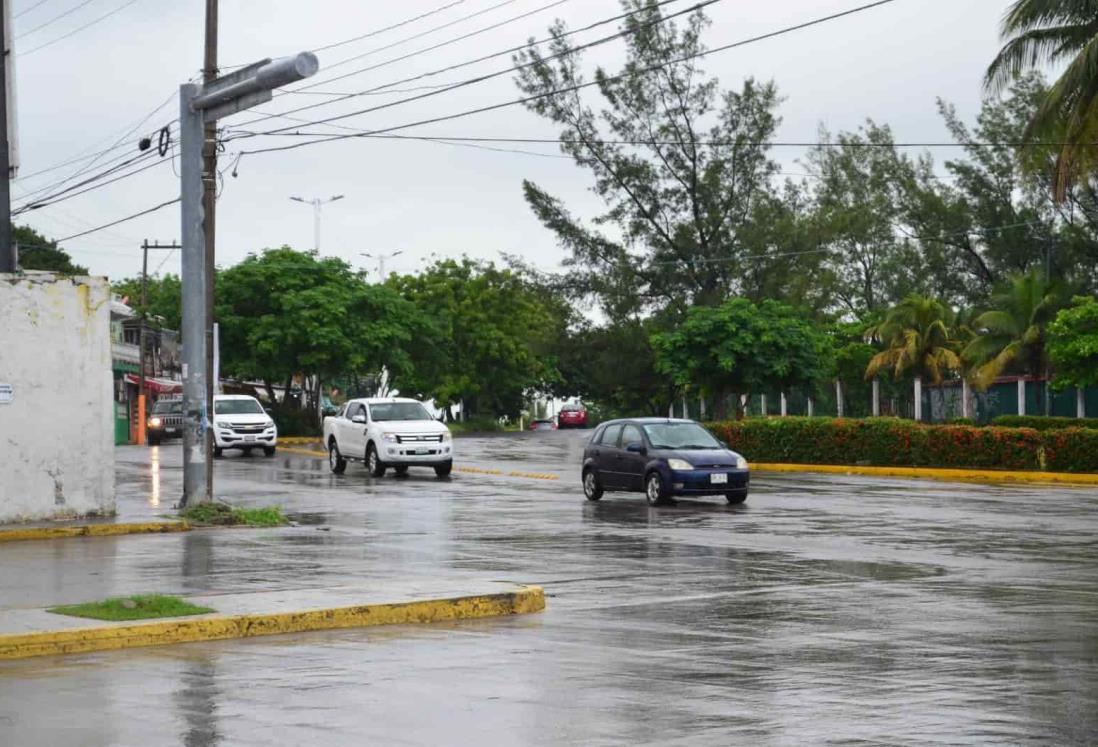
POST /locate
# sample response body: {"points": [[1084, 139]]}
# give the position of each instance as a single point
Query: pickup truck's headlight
{"points": [[741, 463], [679, 464], [390, 437], [447, 437], [222, 424]]}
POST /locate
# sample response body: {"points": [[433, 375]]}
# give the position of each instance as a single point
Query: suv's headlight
{"points": [[741, 463], [390, 437], [154, 422], [679, 464]]}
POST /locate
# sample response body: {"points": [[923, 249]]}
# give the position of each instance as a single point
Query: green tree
{"points": [[917, 335], [164, 298], [285, 312], [1063, 34], [1073, 344], [681, 166], [491, 330], [36, 252], [1010, 336], [742, 347]]}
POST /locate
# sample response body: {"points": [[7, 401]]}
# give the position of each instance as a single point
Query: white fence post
{"points": [[785, 406], [1021, 395], [811, 408], [839, 398], [1080, 403], [966, 399], [876, 398], [919, 399]]}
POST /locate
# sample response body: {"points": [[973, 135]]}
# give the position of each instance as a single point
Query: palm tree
{"points": [[1010, 337], [1056, 32], [918, 338]]}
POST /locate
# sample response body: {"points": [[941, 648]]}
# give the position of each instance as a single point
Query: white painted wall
{"points": [[56, 434]]}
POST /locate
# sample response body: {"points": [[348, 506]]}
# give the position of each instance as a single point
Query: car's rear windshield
{"points": [[238, 407], [571, 408], [169, 407], [399, 411], [680, 436]]}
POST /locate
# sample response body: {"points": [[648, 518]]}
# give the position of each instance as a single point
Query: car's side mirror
{"points": [[636, 447], [358, 419], [723, 443]]}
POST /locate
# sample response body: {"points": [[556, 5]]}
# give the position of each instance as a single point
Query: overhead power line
{"points": [[23, 12], [75, 31], [55, 19], [388, 87], [497, 74], [377, 32], [568, 89], [120, 220]]}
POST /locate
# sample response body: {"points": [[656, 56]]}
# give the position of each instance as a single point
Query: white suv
{"points": [[387, 432], [240, 422]]}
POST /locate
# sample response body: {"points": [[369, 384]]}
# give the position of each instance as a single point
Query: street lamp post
{"points": [[381, 259], [317, 203]]}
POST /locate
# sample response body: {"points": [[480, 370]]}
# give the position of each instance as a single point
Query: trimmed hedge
{"points": [[1042, 423], [888, 442]]}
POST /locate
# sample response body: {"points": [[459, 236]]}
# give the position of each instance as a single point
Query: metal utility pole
{"points": [[381, 259], [209, 204], [317, 203], [198, 106], [142, 407], [7, 248]]}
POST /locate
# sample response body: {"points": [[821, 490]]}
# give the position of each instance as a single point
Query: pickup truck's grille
{"points": [[412, 438], [247, 428]]}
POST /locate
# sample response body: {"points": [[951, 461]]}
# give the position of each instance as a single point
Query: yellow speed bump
{"points": [[933, 473], [524, 600], [91, 530]]}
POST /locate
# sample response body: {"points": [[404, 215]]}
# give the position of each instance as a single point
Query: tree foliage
{"points": [[917, 335], [164, 298], [1073, 344], [36, 252]]}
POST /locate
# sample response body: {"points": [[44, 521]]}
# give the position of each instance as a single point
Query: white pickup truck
{"points": [[387, 432]]}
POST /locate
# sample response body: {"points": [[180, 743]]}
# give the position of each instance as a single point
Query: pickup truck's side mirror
{"points": [[358, 419]]}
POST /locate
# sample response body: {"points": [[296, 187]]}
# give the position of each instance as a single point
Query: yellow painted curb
{"points": [[974, 475], [305, 452], [92, 530], [297, 440], [213, 627]]}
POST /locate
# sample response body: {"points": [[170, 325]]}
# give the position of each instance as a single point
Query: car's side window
{"points": [[357, 409], [631, 435], [610, 436]]}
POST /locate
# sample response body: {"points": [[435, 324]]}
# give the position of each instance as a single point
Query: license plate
{"points": [[423, 451], [171, 430], [718, 479], [249, 439]]}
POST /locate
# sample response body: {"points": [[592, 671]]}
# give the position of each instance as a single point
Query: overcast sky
{"points": [[80, 94]]}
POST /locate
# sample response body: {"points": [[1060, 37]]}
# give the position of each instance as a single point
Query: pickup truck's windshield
{"points": [[168, 407], [238, 407], [680, 436], [399, 411]]}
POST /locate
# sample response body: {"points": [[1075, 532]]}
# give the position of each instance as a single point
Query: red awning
{"points": [[156, 386]]}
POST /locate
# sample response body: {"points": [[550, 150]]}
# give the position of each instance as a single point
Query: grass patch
{"points": [[219, 514], [137, 607]]}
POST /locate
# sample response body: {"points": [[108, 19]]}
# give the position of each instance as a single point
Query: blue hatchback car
{"points": [[662, 457]]}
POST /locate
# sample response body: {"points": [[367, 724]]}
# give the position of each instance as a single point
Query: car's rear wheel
{"points": [[654, 490], [736, 498], [592, 488], [336, 463], [444, 470], [373, 462]]}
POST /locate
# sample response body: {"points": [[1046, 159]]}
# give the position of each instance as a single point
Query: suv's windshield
{"points": [[399, 411], [238, 407], [166, 407], [680, 436]]}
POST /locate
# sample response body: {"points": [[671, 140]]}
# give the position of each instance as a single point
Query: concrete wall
{"points": [[56, 437]]}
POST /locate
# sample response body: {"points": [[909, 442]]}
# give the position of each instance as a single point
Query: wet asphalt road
{"points": [[825, 610]]}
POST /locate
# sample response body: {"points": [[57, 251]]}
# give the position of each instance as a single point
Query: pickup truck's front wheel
{"points": [[373, 462], [336, 463]]}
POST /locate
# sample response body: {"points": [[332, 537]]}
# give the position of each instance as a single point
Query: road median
{"points": [[22, 534], [31, 633]]}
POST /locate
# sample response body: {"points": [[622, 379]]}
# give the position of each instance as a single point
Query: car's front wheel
{"points": [[444, 470], [736, 498], [373, 462], [336, 463], [269, 450], [218, 451], [592, 488], [654, 490]]}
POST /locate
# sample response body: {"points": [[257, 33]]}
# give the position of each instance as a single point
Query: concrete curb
{"points": [[107, 637], [92, 530], [933, 473]]}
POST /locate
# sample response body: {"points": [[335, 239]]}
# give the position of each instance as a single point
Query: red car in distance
{"points": [[572, 416]]}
